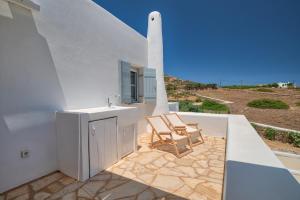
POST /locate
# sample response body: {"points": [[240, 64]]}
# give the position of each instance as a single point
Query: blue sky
{"points": [[232, 41]]}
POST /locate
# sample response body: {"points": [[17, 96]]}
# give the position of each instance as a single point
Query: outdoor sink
{"points": [[97, 109]]}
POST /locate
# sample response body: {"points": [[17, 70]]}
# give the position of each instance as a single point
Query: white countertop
{"points": [[99, 109]]}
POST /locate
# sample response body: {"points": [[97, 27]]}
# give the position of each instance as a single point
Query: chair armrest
{"points": [[181, 130], [195, 125], [192, 124], [165, 133], [180, 127]]}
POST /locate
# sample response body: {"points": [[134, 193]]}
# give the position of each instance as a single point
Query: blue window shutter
{"points": [[149, 85], [125, 82]]}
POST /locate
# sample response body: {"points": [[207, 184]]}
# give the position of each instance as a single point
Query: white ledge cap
{"points": [[26, 3]]}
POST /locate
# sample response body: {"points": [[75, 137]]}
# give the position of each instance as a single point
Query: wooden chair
{"points": [[167, 136], [181, 128]]}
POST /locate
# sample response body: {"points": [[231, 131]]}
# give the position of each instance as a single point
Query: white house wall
{"points": [[64, 56], [86, 43]]}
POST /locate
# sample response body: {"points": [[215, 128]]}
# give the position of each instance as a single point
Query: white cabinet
{"points": [[126, 140], [102, 144], [93, 139]]}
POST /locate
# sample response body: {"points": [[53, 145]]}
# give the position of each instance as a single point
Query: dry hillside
{"points": [[178, 89]]}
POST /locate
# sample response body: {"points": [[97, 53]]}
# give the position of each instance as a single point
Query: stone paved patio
{"points": [[146, 174]]}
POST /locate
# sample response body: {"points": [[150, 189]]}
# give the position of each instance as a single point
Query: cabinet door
{"points": [[111, 151], [126, 140], [102, 144]]}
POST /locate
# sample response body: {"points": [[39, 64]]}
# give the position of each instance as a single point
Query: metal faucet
{"points": [[108, 102]]}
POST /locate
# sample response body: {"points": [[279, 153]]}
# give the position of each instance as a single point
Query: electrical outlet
{"points": [[24, 153]]}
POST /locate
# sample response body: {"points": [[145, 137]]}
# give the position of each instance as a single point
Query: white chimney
{"points": [[155, 60]]}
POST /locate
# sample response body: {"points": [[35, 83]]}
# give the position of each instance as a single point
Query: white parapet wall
{"points": [[252, 171], [173, 106], [211, 124]]}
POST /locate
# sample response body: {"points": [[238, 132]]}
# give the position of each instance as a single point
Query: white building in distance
{"points": [[285, 84]]}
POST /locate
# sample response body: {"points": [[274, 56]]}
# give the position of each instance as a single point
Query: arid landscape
{"points": [[198, 97], [237, 100], [289, 118]]}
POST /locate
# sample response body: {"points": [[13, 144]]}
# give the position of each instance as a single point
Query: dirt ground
{"points": [[279, 146], [282, 118]]}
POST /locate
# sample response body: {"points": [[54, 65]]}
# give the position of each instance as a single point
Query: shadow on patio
{"points": [[145, 174]]}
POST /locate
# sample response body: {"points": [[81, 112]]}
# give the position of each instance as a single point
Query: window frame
{"points": [[145, 84], [134, 99]]}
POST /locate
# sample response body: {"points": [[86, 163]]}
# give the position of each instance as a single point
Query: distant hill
{"points": [[179, 88]]}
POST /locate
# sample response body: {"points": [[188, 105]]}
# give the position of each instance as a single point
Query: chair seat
{"points": [[176, 137], [190, 129]]}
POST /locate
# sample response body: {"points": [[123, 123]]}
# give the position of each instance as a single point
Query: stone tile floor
{"points": [[145, 174]]}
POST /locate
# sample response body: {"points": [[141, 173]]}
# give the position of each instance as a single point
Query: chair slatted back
{"points": [[158, 124], [174, 120]]}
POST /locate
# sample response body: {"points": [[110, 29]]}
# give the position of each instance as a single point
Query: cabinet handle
{"points": [[93, 130]]}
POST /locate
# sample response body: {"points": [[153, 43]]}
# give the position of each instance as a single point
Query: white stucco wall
{"points": [[64, 56]]}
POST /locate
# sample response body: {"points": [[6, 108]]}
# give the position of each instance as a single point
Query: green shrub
{"points": [[264, 90], [240, 86], [274, 85], [278, 135], [186, 94], [187, 106], [181, 94], [214, 106], [254, 126], [268, 104], [207, 106], [198, 100], [170, 87], [190, 85], [294, 138], [270, 133], [167, 78], [298, 103]]}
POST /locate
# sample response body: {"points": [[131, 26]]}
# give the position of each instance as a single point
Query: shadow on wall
{"points": [[249, 181], [30, 93], [29, 82]]}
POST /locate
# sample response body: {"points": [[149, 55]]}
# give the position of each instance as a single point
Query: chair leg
{"points": [[189, 138], [201, 137], [180, 155], [200, 141], [176, 150], [152, 136]]}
